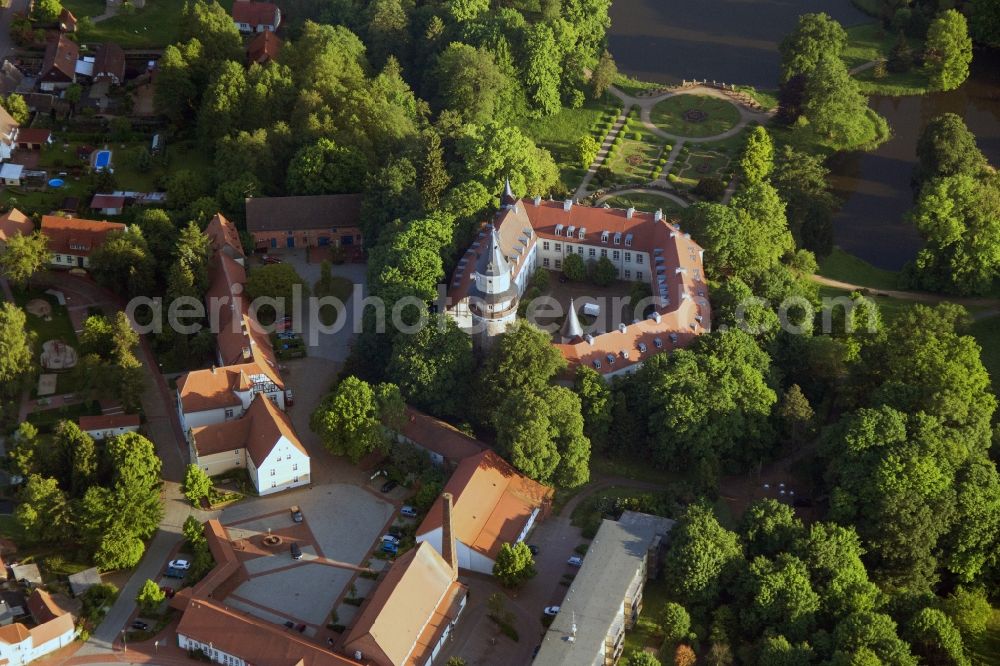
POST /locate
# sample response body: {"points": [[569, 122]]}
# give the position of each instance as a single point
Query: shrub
{"points": [[710, 188]]}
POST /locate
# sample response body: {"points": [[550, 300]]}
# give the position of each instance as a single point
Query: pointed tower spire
{"points": [[571, 328], [495, 263], [507, 199]]}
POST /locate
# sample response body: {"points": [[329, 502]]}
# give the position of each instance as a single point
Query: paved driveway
{"points": [[6, 45]]}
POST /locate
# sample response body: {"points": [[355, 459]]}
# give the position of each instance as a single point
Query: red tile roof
{"points": [[264, 47], [76, 236], [43, 606], [224, 234], [14, 223], [215, 388], [109, 422], [492, 503], [33, 135], [442, 438], [107, 201], [59, 64], [109, 62], [257, 431], [254, 13]]}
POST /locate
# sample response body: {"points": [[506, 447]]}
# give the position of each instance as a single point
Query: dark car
{"points": [[533, 549], [389, 486], [300, 628], [270, 259], [296, 552], [140, 625], [289, 624]]}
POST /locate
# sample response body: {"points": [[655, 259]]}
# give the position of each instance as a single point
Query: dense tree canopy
{"points": [[948, 51]]}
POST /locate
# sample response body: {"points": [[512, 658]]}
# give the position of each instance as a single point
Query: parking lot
{"points": [[341, 525]]}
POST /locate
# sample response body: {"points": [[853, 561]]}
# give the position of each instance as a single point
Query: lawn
{"points": [[46, 420], [867, 42], [986, 650], [633, 157], [155, 26], [889, 307], [633, 87], [695, 115], [870, 41], [59, 327], [846, 267], [560, 132], [646, 202], [700, 164], [646, 633], [340, 288]]}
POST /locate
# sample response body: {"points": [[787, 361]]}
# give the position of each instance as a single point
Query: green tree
{"points": [[542, 70], [603, 75], [326, 168], [675, 623], [80, 455], [514, 564], [468, 81], [959, 218], [587, 148], [494, 152], [874, 634], [605, 272], [524, 434], [119, 548], [948, 51], [44, 513], [277, 281], [801, 181], [463, 11], [642, 658], [757, 160], [780, 596], [434, 176], [935, 637], [135, 487], [596, 404], [815, 36], [837, 109], [176, 92], [969, 610], [700, 557], [795, 415], [433, 368], [123, 263], [222, 102], [17, 108], [47, 11], [150, 596], [197, 485], [984, 21], [211, 23], [349, 420], [947, 148], [193, 251], [770, 528], [574, 268], [23, 453], [193, 530], [16, 342]]}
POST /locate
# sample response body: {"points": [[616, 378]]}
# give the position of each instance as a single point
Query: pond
{"points": [[737, 42]]}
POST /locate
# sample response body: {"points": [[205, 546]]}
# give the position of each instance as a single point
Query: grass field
{"points": [[986, 650], [668, 115], [631, 86], [847, 268], [869, 41], [154, 26], [646, 633], [635, 154], [700, 164], [559, 133]]}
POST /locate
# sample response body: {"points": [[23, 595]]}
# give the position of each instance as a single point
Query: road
{"points": [[6, 44]]}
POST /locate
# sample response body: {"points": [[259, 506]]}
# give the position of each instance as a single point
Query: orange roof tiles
{"points": [[257, 431], [76, 236], [14, 223], [492, 503], [52, 629], [214, 388], [256, 641], [14, 633], [416, 599], [223, 233], [110, 421], [43, 606], [440, 437], [254, 13], [264, 47]]}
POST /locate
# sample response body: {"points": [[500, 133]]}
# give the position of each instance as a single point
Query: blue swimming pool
{"points": [[56, 182], [102, 159]]}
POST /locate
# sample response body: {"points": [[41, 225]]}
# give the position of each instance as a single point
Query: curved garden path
{"points": [[991, 305], [643, 190]]}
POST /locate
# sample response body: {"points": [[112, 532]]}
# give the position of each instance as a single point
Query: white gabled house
{"points": [[214, 395], [20, 645]]}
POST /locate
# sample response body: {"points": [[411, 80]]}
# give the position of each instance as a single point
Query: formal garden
{"points": [[695, 116], [644, 201]]}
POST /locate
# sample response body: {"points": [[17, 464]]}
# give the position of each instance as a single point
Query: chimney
{"points": [[448, 551], [538, 201], [629, 213], [213, 369], [658, 215], [567, 204]]}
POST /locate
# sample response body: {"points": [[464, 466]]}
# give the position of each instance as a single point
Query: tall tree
{"points": [[815, 36], [434, 176], [44, 512], [514, 564], [603, 75], [468, 81], [123, 263], [541, 75], [433, 368], [836, 108], [596, 405], [948, 51], [24, 255], [757, 159], [326, 168], [349, 420], [16, 341], [947, 148], [701, 556]]}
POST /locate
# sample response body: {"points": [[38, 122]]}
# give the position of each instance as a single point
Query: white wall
{"points": [[219, 656], [285, 467], [111, 432], [468, 558]]}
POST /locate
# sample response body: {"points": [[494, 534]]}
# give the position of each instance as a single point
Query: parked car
{"points": [[388, 547], [296, 514], [140, 625], [168, 592], [551, 611], [575, 561], [270, 259], [300, 628], [389, 486], [296, 551], [533, 548], [171, 572], [388, 538], [288, 335], [289, 624], [408, 511], [183, 565]]}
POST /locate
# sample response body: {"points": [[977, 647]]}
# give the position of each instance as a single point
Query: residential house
{"points": [[10, 174], [605, 597], [225, 237], [59, 64], [444, 443], [252, 16], [493, 505], [45, 607], [214, 395], [643, 247], [33, 138], [287, 222], [263, 48], [20, 645], [8, 134], [108, 204], [82, 581], [72, 239], [14, 223], [26, 573], [263, 441], [415, 606], [104, 426], [109, 64]]}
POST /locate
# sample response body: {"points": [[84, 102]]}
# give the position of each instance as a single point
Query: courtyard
{"points": [[614, 301]]}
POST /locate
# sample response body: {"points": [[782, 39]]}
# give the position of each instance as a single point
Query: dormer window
{"points": [[628, 240], [582, 233], [604, 236], [559, 229], [618, 238]]}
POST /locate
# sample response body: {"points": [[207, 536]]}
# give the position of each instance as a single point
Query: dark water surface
{"points": [[736, 42]]}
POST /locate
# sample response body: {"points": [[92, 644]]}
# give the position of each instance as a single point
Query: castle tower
{"points": [[571, 328], [493, 298], [507, 199]]}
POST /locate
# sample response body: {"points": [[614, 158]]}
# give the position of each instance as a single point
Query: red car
{"points": [[169, 592], [270, 259]]}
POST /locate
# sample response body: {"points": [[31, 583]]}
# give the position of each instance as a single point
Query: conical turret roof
{"points": [[571, 328], [492, 263], [507, 198]]}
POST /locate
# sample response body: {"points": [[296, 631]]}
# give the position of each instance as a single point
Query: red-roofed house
{"points": [[263, 441], [20, 645], [443, 442], [108, 204], [72, 239], [493, 505], [252, 16], [109, 64], [263, 48], [104, 426], [225, 238], [33, 138], [14, 223], [59, 64]]}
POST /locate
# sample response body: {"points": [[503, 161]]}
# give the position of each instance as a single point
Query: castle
{"points": [[527, 234]]}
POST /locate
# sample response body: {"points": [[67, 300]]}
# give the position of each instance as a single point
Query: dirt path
{"points": [[991, 305]]}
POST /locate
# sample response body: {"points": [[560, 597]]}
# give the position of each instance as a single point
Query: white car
{"points": [[408, 511], [182, 565], [551, 611], [575, 561]]}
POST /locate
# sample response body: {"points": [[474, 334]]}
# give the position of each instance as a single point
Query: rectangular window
{"points": [[628, 275], [288, 457], [638, 275], [604, 236], [593, 252], [545, 245], [295, 467], [628, 256], [604, 253], [558, 263], [272, 472], [579, 249], [615, 255], [638, 258], [295, 479], [558, 247], [273, 484], [229, 413], [236, 452], [545, 262]]}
